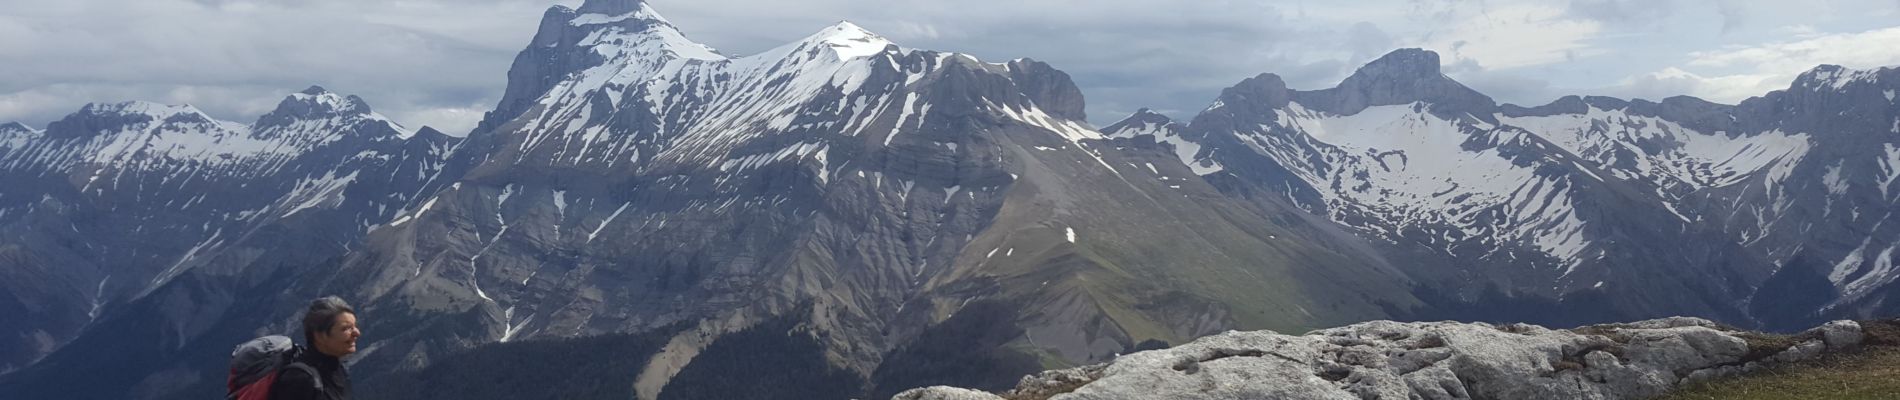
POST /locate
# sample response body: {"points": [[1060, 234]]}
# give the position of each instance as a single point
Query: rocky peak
{"points": [[15, 128], [1835, 78], [571, 41], [1251, 102], [1142, 122], [1400, 77], [429, 132], [1412, 63], [14, 134], [102, 118], [318, 111], [1691, 112], [1257, 95], [1563, 105], [139, 108], [847, 40], [1147, 116], [631, 25], [612, 7], [316, 102], [1049, 88], [1814, 102]]}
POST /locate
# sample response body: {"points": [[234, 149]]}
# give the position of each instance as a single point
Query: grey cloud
{"points": [[235, 59], [1367, 41], [1625, 13], [1734, 15], [443, 62], [1503, 86], [1506, 87]]}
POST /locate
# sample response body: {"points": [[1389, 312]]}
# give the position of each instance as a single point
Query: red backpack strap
{"points": [[259, 390]]}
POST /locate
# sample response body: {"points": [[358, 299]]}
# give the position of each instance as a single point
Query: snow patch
{"points": [[1839, 78], [98, 299], [508, 318], [1835, 184], [1411, 168], [312, 193], [610, 219], [425, 208], [1692, 159], [849, 41], [1850, 264]]}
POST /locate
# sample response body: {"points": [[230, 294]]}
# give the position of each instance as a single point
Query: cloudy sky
{"points": [[442, 62]]}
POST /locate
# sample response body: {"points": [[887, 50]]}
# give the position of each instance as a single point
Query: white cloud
{"points": [[1519, 35], [442, 62], [235, 58], [1860, 50], [1728, 89], [1735, 73], [455, 121]]}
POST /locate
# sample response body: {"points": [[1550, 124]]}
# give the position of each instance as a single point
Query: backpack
{"points": [[256, 364]]}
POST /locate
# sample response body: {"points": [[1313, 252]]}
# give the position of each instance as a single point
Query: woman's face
{"points": [[340, 340]]}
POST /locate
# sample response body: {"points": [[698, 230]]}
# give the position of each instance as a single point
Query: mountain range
{"points": [[881, 218]]}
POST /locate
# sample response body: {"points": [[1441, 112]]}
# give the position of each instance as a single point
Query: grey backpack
{"points": [[255, 366]]}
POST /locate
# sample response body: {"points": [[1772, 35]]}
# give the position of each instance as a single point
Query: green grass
{"points": [[1871, 373]]}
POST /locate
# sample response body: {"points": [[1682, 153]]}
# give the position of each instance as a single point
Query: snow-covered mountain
{"points": [[845, 199], [632, 180], [1607, 208], [116, 200], [869, 189]]}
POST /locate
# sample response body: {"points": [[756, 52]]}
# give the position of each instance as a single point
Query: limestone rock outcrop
{"points": [[1432, 360]]}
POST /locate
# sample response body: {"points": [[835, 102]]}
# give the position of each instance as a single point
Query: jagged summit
{"points": [[139, 107], [1143, 122], [1260, 93], [844, 40], [1835, 77], [1141, 117], [639, 17], [1400, 77], [1409, 62], [15, 127], [430, 132], [98, 118], [612, 6], [602, 39], [316, 106], [316, 101]]}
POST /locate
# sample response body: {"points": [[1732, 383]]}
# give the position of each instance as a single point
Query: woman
{"points": [[329, 331]]}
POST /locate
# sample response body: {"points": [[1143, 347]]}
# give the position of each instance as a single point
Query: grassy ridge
{"points": [[1872, 373]]}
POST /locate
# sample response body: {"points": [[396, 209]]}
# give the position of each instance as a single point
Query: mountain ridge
{"points": [[853, 198]]}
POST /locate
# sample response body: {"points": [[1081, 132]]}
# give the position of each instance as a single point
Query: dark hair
{"points": [[321, 316]]}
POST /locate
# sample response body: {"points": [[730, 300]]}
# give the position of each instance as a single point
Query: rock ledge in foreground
{"points": [[1432, 361]]}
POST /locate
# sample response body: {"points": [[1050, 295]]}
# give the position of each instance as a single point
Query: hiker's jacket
{"points": [[295, 384]]}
